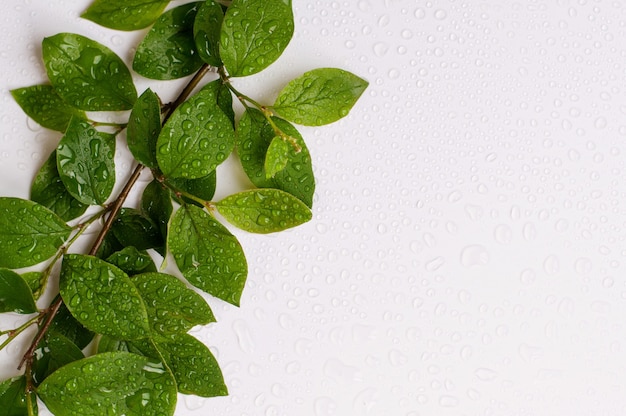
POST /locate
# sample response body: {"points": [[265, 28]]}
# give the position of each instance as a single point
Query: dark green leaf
{"points": [[85, 163], [113, 383], [169, 51], [320, 96], [144, 126], [207, 254], [87, 74], [277, 156], [109, 246], [15, 295], [125, 14], [254, 34], [45, 106], [49, 191], [102, 297], [254, 135], [206, 32], [34, 282], [217, 92], [172, 307], [132, 261], [196, 139], [54, 352], [29, 233], [156, 204], [110, 344], [65, 324], [13, 397], [264, 210], [203, 188], [131, 228]]}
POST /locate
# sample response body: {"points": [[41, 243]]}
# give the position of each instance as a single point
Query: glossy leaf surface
{"points": [[132, 228], [203, 188], [156, 204], [277, 156], [44, 105], [125, 14], [144, 126], [15, 294], [132, 261], [13, 397], [65, 324], [54, 352], [206, 32]]}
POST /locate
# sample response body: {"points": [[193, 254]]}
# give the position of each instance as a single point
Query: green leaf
{"points": [[110, 344], [132, 261], [203, 188], [169, 51], [144, 126], [206, 32], [254, 135], [13, 397], [48, 190], [172, 307], [15, 295], [85, 163], [220, 95], [45, 106], [277, 156], [87, 74], [34, 282], [113, 383], [264, 210], [207, 254], [254, 34], [132, 228], [156, 204], [196, 139], [319, 97], [125, 14], [102, 297], [65, 324], [109, 246], [29, 233], [53, 353]]}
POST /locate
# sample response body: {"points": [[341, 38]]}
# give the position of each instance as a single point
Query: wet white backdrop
{"points": [[466, 254]]}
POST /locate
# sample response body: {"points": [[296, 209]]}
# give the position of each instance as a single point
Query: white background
{"points": [[466, 254]]}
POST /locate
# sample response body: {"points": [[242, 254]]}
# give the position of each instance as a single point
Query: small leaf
{"points": [[102, 297], [144, 126], [277, 156], [172, 307], [254, 34], [264, 210], [87, 74], [65, 324], [196, 139], [29, 233], [131, 228], [125, 14], [109, 246], [53, 353], [156, 204], [169, 51], [34, 282], [45, 106], [15, 295], [320, 96], [132, 261], [49, 191], [112, 383], [218, 93], [206, 32], [13, 397], [207, 254], [203, 188], [85, 163]]}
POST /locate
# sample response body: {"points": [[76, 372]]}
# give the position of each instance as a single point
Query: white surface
{"points": [[466, 255]]}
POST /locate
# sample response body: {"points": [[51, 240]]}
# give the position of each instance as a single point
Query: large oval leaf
{"points": [[102, 297], [45, 106], [125, 14], [87, 74], [29, 233], [254, 34], [15, 294], [112, 383], [207, 254], [144, 126]]}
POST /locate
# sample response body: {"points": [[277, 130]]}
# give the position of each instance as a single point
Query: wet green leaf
{"points": [[112, 383], [13, 397], [144, 126], [132, 261], [203, 188], [45, 106], [49, 191], [196, 139], [319, 97], [110, 344], [65, 324], [33, 238], [277, 156], [87, 74], [206, 32], [218, 93], [254, 34], [132, 228], [207, 254], [102, 297], [109, 246], [54, 352], [85, 163], [34, 282], [172, 307], [15, 295], [254, 135], [264, 210], [125, 14], [169, 51], [156, 204]]}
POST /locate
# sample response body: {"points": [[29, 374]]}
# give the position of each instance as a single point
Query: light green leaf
{"points": [[169, 51], [132, 261], [29, 233], [206, 32], [54, 352], [196, 139], [49, 191], [45, 106], [254, 34], [207, 254], [13, 397], [87, 74], [85, 163], [319, 97], [277, 156], [102, 297], [144, 126], [125, 14], [112, 383], [15, 295], [264, 210]]}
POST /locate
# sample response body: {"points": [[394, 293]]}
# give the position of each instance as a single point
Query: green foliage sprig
{"points": [[113, 297]]}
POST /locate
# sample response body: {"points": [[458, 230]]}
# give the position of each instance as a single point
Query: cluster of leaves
{"points": [[114, 298]]}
